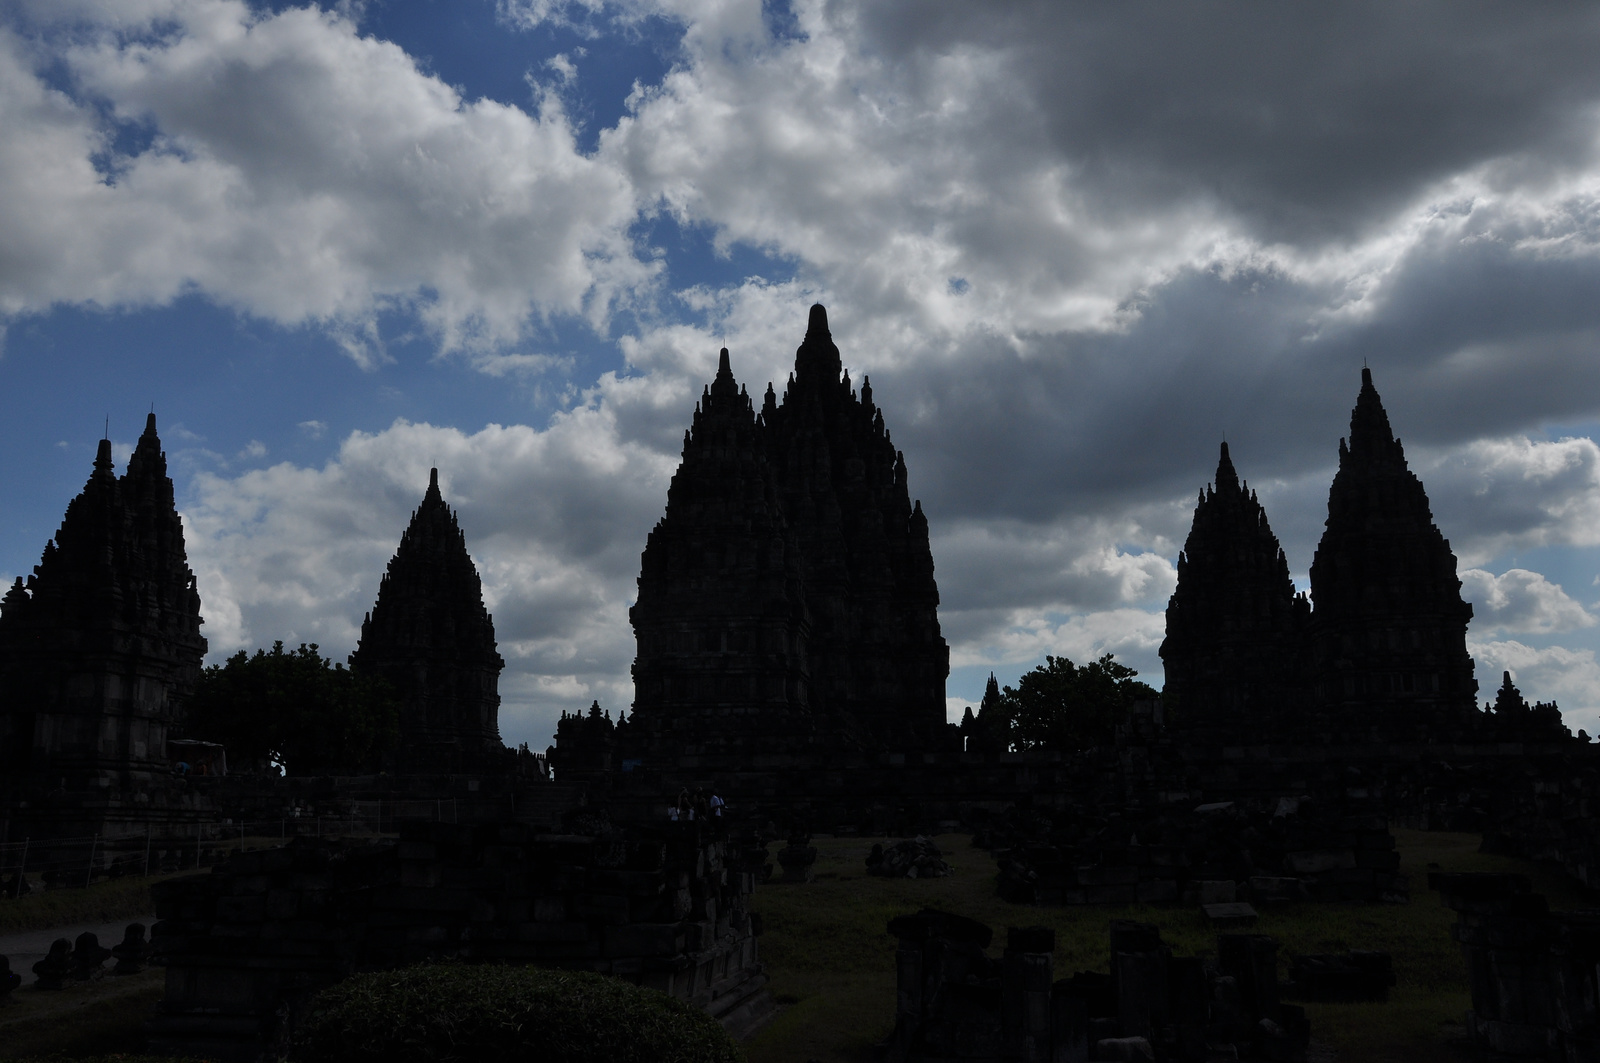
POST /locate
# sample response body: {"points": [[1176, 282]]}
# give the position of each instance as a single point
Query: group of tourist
{"points": [[700, 805]]}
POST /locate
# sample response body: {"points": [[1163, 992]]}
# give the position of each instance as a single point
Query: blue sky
{"points": [[1074, 247]]}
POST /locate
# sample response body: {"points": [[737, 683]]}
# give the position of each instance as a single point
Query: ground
{"points": [[832, 960]]}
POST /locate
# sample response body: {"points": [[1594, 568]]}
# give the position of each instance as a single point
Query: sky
{"points": [[1074, 246]]}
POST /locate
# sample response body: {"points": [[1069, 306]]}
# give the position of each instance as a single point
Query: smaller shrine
{"points": [[431, 638], [99, 650]]}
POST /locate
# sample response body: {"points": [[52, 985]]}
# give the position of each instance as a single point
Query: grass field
{"points": [[831, 959]]}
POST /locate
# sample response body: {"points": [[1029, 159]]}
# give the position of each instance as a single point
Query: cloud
{"points": [[285, 165], [1520, 602], [554, 518], [1300, 124], [1569, 677], [1493, 496], [1074, 248], [1132, 634]]}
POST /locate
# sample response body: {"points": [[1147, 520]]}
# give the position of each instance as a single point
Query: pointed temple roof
{"points": [[1232, 620], [1389, 621], [101, 647], [430, 635], [798, 521], [720, 582]]}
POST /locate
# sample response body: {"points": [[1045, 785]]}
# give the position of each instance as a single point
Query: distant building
{"points": [[1389, 629], [787, 597], [1234, 625], [1380, 646], [431, 638], [99, 651]]}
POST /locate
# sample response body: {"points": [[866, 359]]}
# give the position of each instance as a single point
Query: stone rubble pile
{"points": [[1341, 977], [246, 944], [913, 858], [956, 1003], [1535, 994], [1270, 851]]}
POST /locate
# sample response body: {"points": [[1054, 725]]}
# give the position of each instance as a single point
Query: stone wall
{"points": [[247, 944], [1533, 972], [1287, 849], [953, 1002]]}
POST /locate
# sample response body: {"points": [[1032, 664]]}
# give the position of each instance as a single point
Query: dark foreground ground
{"points": [[832, 961]]}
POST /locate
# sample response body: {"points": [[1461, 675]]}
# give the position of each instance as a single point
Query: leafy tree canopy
{"points": [[1060, 706], [296, 708]]}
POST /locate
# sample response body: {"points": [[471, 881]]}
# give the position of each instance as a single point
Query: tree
{"points": [[1061, 706], [297, 709]]}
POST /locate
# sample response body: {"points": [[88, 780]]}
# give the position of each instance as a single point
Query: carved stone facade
{"points": [[875, 650], [788, 593], [721, 619], [1385, 646], [1389, 627], [102, 644], [99, 650], [430, 636], [1234, 624]]}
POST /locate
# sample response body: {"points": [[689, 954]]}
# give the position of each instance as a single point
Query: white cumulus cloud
{"points": [[1521, 602], [299, 171], [555, 520]]}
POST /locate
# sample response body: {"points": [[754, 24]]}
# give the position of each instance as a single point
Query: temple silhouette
{"points": [[431, 638], [99, 649], [1380, 645], [787, 596], [789, 657]]}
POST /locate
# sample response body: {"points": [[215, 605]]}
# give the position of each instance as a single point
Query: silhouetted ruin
{"points": [[1389, 627], [246, 945], [1532, 971], [787, 599], [99, 649], [790, 658], [431, 638], [1384, 649], [954, 1002], [1234, 624]]}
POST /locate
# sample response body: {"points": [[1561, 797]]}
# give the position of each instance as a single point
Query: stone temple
{"points": [[1388, 638], [1234, 624], [1381, 646], [430, 636], [787, 598], [99, 649]]}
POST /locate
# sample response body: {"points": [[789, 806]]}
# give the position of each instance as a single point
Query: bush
{"points": [[444, 1012]]}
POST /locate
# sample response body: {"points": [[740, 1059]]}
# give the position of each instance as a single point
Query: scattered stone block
{"points": [[52, 971], [1234, 914]]}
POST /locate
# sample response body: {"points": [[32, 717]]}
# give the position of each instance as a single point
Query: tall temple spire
{"points": [[794, 530], [817, 362], [1232, 623], [1389, 626], [102, 648], [430, 636], [1227, 478], [720, 617]]}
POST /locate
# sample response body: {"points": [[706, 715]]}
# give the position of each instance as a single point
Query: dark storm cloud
{"points": [[1309, 121], [1475, 342]]}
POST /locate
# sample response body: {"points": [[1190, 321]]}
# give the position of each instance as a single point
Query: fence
{"points": [[57, 863]]}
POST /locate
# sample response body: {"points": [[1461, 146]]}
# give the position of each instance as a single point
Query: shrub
{"points": [[445, 1012]]}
